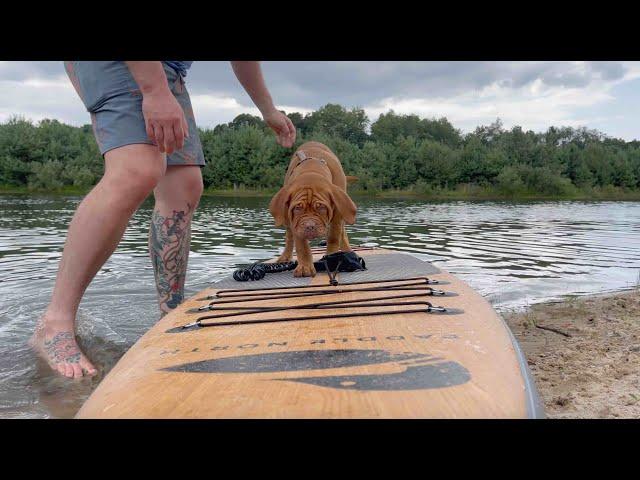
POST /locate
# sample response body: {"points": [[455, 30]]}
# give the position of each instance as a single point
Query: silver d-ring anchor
{"points": [[436, 309], [193, 324]]}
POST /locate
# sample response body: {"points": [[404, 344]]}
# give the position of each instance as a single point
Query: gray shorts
{"points": [[113, 98]]}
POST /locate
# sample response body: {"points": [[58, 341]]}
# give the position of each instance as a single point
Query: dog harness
{"points": [[303, 157]]}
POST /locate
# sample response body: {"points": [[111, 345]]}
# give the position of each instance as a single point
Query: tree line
{"points": [[396, 152]]}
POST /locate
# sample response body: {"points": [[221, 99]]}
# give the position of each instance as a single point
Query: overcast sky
{"points": [[535, 95]]}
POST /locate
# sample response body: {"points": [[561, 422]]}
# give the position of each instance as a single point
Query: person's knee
{"points": [[183, 185], [134, 180], [194, 187]]}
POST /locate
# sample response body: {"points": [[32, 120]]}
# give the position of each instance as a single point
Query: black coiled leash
{"points": [[258, 270], [332, 264]]}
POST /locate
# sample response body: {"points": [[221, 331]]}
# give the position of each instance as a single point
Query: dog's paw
{"points": [[284, 258], [304, 271]]}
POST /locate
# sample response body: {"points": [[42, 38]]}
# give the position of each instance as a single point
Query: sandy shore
{"points": [[584, 354]]}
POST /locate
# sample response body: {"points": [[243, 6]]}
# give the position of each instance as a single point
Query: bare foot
{"points": [[61, 351]]}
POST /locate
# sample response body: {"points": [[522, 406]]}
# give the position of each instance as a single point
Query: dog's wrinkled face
{"points": [[308, 209], [310, 213]]}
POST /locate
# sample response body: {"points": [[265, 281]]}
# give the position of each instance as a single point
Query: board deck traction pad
{"points": [[423, 371], [389, 266], [383, 273]]}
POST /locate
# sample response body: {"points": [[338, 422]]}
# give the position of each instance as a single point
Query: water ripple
{"points": [[514, 254]]}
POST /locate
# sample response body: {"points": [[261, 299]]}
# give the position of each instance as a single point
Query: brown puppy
{"points": [[313, 203]]}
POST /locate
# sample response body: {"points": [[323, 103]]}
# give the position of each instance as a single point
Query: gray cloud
{"points": [[312, 84], [18, 71], [609, 70], [463, 91]]}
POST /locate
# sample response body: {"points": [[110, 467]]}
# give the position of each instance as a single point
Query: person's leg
{"points": [[131, 173], [177, 196]]}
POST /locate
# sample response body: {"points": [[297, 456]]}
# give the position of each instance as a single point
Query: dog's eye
{"points": [[320, 206], [298, 208]]}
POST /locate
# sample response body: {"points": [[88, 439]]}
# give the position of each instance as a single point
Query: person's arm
{"points": [[163, 116], [249, 74]]}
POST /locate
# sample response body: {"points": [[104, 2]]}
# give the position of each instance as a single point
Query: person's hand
{"points": [[282, 126], [164, 120]]}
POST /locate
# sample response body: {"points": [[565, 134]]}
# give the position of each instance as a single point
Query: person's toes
{"points": [[68, 370], [61, 369], [87, 366], [77, 370]]}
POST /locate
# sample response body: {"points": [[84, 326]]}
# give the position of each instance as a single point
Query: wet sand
{"points": [[584, 354]]}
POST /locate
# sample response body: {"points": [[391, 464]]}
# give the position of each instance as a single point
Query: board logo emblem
{"points": [[419, 371]]}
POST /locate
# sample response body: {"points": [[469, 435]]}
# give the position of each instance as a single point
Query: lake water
{"points": [[514, 254]]}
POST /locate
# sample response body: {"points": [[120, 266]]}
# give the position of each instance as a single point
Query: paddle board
{"points": [[402, 339]]}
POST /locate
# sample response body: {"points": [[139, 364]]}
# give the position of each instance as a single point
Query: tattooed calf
{"points": [[169, 240]]}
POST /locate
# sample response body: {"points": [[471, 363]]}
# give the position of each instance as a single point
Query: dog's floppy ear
{"points": [[279, 205], [344, 204]]}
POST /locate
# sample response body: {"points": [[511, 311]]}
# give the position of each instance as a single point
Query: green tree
{"points": [[441, 131], [336, 120], [402, 152], [389, 126], [247, 120], [487, 134]]}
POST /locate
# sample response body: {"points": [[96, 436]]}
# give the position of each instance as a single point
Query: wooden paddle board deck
{"points": [[397, 361]]}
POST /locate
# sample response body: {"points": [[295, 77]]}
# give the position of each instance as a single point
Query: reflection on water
{"points": [[513, 253]]}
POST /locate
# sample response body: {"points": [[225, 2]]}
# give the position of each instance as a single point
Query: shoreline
{"points": [[471, 194], [584, 354]]}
